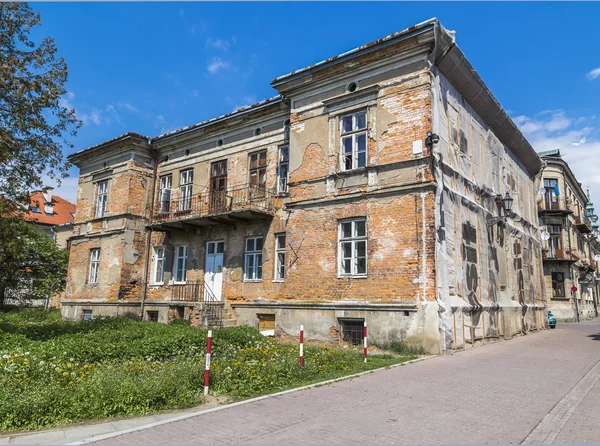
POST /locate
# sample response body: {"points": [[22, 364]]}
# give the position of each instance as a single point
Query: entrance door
{"points": [[213, 271]]}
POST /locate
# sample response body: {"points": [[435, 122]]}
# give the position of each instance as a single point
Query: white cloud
{"points": [[66, 100], [220, 44], [246, 101], [216, 64], [578, 140], [165, 126], [594, 74], [129, 107], [67, 189], [196, 93]]}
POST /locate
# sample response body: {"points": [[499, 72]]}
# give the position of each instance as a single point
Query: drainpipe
{"points": [[149, 234], [571, 270]]}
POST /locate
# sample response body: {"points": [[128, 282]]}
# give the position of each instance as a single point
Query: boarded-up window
{"points": [[266, 324]]}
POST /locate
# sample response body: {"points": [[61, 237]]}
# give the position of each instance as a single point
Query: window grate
{"points": [[352, 330]]}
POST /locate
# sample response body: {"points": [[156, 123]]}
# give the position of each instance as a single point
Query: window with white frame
{"points": [[158, 265], [186, 181], [101, 198], [280, 256], [253, 258], [353, 247], [283, 170], [353, 130], [164, 193], [180, 264], [94, 265]]}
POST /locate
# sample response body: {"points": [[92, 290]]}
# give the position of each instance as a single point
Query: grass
{"points": [[55, 372]]}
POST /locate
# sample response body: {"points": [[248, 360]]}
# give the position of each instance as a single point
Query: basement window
{"points": [[152, 315], [352, 330], [87, 315]]}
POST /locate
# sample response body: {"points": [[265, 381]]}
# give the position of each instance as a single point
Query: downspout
{"points": [[149, 233], [571, 270]]}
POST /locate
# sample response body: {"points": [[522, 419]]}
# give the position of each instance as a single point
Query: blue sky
{"points": [[155, 67]]}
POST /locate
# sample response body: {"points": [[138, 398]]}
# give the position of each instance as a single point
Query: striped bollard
{"points": [[301, 346], [207, 370], [365, 342]]}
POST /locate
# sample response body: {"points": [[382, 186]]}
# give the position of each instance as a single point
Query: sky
{"points": [[155, 67]]}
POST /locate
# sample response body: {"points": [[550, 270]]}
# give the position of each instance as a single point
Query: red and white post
{"points": [[301, 346], [365, 342], [207, 370]]}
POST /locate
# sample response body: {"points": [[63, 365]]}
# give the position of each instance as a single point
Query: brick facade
{"points": [[391, 85]]}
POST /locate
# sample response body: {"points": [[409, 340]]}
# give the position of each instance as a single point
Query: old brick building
{"points": [[571, 246], [368, 189]]}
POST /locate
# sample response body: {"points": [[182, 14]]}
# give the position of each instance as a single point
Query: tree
{"points": [[32, 266], [34, 127]]}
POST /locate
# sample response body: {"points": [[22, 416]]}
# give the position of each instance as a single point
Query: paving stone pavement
{"points": [[500, 393]]}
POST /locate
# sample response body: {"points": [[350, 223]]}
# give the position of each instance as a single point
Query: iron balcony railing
{"points": [[211, 308], [247, 197], [552, 202]]}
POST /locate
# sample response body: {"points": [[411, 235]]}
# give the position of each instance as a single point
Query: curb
{"points": [[238, 403]]}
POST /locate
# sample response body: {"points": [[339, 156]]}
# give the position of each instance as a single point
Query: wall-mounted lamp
{"points": [[432, 138], [504, 209]]}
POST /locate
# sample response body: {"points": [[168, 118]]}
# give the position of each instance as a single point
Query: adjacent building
{"points": [[570, 249], [384, 185], [52, 215]]}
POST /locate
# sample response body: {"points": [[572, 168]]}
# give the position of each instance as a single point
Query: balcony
{"points": [[583, 224], [558, 255], [237, 204], [553, 204], [210, 310]]}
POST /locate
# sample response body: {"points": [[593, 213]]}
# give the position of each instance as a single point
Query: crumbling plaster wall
{"points": [[489, 276]]}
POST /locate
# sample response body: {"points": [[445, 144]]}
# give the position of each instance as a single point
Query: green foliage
{"points": [[30, 261], [55, 372], [35, 125]]}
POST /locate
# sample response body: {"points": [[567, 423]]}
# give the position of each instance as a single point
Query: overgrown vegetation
{"points": [[55, 372]]}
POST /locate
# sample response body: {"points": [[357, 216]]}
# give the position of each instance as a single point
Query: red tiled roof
{"points": [[63, 210]]}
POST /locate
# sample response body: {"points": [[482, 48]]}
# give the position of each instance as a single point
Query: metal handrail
{"points": [[204, 204]]}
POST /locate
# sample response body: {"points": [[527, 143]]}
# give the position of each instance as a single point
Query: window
{"points": [[94, 265], [35, 209], [558, 285], [101, 198], [180, 263], [186, 180], [354, 141], [253, 258], [353, 247], [283, 169], [279, 257], [87, 315], [152, 315], [554, 243], [352, 330], [164, 193], [258, 173], [266, 324], [218, 186], [550, 197], [158, 265]]}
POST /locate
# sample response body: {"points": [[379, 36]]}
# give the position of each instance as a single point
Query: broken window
{"points": [[558, 285], [101, 198], [152, 315], [180, 263], [353, 141], [186, 181], [279, 257], [94, 265], [164, 193], [352, 247], [352, 330], [283, 169], [158, 265], [266, 324], [253, 259]]}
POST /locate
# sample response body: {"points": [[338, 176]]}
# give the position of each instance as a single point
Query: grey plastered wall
{"points": [[483, 270]]}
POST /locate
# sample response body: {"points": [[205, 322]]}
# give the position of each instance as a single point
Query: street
{"points": [[538, 388]]}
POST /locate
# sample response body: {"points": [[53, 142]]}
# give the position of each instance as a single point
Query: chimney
{"points": [[48, 206]]}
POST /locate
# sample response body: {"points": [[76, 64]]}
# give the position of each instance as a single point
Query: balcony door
{"points": [[217, 201], [550, 197], [213, 270]]}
